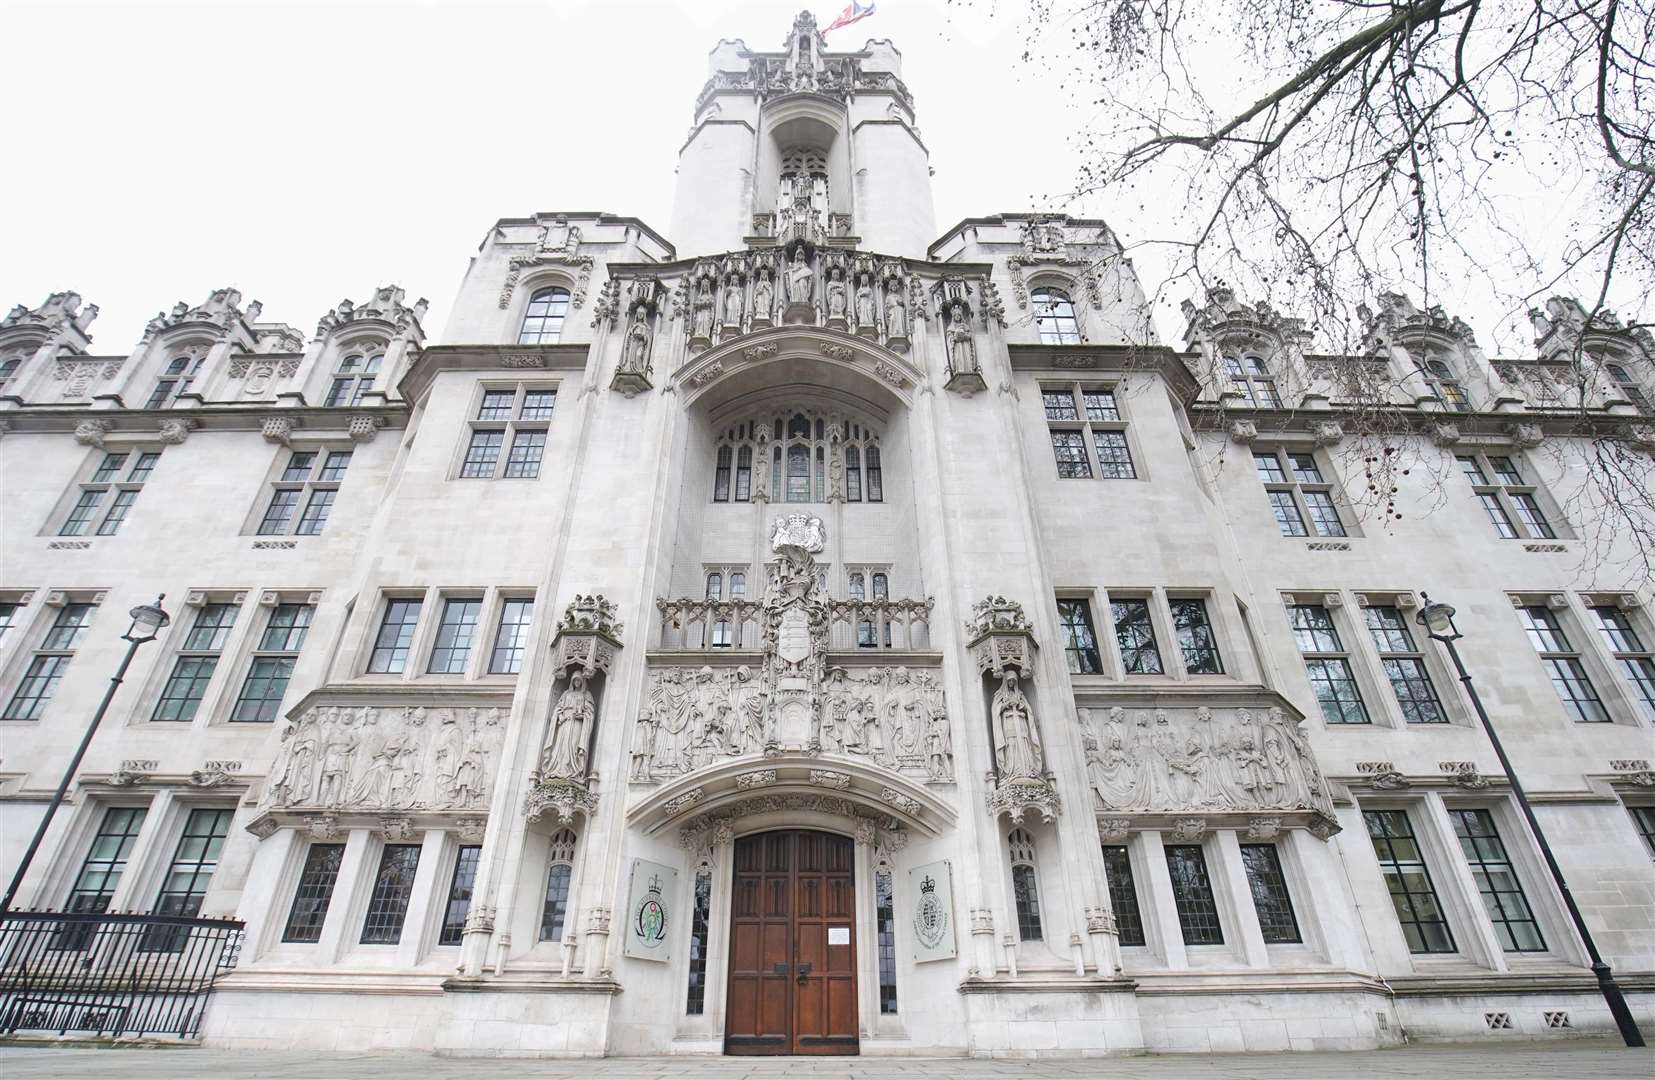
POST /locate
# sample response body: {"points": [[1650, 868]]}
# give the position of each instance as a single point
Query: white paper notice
{"points": [[838, 935]]}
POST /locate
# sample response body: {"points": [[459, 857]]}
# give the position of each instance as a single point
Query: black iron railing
{"points": [[111, 975]]}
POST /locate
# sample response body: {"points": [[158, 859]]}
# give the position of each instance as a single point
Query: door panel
{"points": [[792, 986]]}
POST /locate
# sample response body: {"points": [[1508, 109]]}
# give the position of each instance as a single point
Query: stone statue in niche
{"points": [[703, 316], [635, 355], [896, 314], [732, 303], [764, 296], [1016, 739], [962, 351], [643, 746], [866, 316], [564, 754], [800, 278], [1167, 760], [836, 305]]}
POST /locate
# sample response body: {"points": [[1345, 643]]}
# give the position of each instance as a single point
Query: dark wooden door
{"points": [[792, 987]]}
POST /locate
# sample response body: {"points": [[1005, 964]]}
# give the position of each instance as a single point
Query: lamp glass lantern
{"points": [[1438, 620], [148, 620]]}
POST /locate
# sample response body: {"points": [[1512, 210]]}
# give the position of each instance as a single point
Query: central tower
{"points": [[804, 144]]}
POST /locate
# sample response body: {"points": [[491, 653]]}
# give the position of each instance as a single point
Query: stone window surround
{"points": [[24, 640], [432, 600], [189, 380], [1284, 445], [1462, 905], [1532, 484], [132, 446], [1077, 388], [542, 854], [1020, 854], [1227, 634], [166, 811], [1070, 287], [1586, 640], [532, 281], [510, 427], [22, 598], [1642, 624], [233, 658], [301, 443], [1344, 607], [352, 890], [1244, 945]]}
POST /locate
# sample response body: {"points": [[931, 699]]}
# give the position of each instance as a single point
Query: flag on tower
{"points": [[855, 11]]}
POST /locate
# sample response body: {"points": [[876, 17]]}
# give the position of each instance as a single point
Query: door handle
{"points": [[778, 969], [804, 970]]}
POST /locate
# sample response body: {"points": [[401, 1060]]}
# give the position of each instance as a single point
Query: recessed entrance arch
{"points": [[792, 983]]}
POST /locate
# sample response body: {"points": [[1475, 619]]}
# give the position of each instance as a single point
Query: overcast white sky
{"points": [[305, 152]]}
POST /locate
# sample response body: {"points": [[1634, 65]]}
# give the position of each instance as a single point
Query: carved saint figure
{"points": [[865, 313], [896, 314], [764, 295], [336, 765], [373, 781], [1109, 770], [747, 702], [565, 751], [962, 351], [939, 753], [643, 746], [836, 294], [405, 774], [799, 278], [732, 303], [636, 357], [704, 311], [1017, 742], [292, 786]]}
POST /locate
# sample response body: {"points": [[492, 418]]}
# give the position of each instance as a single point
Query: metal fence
{"points": [[111, 975]]}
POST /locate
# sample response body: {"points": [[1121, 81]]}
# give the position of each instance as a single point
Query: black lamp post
{"points": [[147, 621], [1438, 620]]}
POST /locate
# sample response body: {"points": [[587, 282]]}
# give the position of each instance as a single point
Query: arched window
{"points": [[177, 378], [738, 586], [1024, 889], [1250, 377], [1054, 314], [1445, 387], [857, 587], [354, 377], [8, 368], [543, 318], [807, 450], [556, 906], [1624, 380]]}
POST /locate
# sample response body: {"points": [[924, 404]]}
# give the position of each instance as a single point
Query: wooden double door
{"points": [[792, 987]]}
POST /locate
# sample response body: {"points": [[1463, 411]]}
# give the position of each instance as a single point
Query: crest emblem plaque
{"points": [[933, 914], [649, 915], [803, 532]]}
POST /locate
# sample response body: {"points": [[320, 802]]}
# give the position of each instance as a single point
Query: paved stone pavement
{"points": [[1598, 1060]]}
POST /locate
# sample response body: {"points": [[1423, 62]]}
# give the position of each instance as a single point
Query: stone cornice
{"points": [[598, 216], [516, 359], [1492, 426], [311, 420]]}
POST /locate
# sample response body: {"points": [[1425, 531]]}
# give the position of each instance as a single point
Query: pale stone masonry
{"points": [[797, 631]]}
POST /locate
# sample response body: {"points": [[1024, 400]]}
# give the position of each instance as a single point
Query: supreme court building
{"points": [[802, 630]]}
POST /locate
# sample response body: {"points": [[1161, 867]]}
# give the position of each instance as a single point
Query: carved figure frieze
{"points": [[1171, 760], [386, 758]]}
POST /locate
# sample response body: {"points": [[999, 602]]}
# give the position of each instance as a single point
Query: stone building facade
{"points": [[802, 633]]}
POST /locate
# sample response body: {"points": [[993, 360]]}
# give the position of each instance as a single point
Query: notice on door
{"points": [[838, 935]]}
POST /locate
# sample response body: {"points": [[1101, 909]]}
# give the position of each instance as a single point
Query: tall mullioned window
{"points": [[1196, 640], [1088, 432], [1080, 641], [1327, 664], [100, 873], [1508, 908], [193, 670], [801, 454], [315, 893], [49, 662], [1251, 381], [543, 318], [511, 637], [395, 637], [191, 871], [178, 378], [393, 887], [1644, 818], [1445, 386], [1135, 633], [1404, 665], [303, 494], [1625, 382], [508, 432], [695, 998], [1192, 894], [107, 495], [1563, 663], [884, 918], [1300, 495], [274, 655], [554, 908], [1511, 500], [1271, 899], [1412, 894], [1633, 657], [1123, 894], [460, 888], [451, 652]]}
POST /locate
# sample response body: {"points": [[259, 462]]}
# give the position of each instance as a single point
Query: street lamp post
{"points": [[147, 621], [1438, 620]]}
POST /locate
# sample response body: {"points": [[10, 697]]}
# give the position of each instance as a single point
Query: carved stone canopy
{"points": [[587, 635], [1001, 637]]}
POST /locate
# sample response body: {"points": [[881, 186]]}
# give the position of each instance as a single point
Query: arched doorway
{"points": [[792, 985]]}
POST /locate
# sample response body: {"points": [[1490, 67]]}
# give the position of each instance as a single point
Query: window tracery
{"points": [[1025, 889], [555, 908], [803, 456]]}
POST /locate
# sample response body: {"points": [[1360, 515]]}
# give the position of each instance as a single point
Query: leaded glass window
{"points": [[393, 887], [1409, 880], [1123, 894], [1192, 894], [884, 918], [315, 893], [1135, 633], [1080, 643], [460, 888], [554, 908], [695, 999], [1404, 665], [1196, 640], [1271, 899], [1327, 665], [1025, 888]]}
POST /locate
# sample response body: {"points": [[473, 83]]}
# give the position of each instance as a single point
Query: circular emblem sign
{"points": [[649, 918], [930, 917]]}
